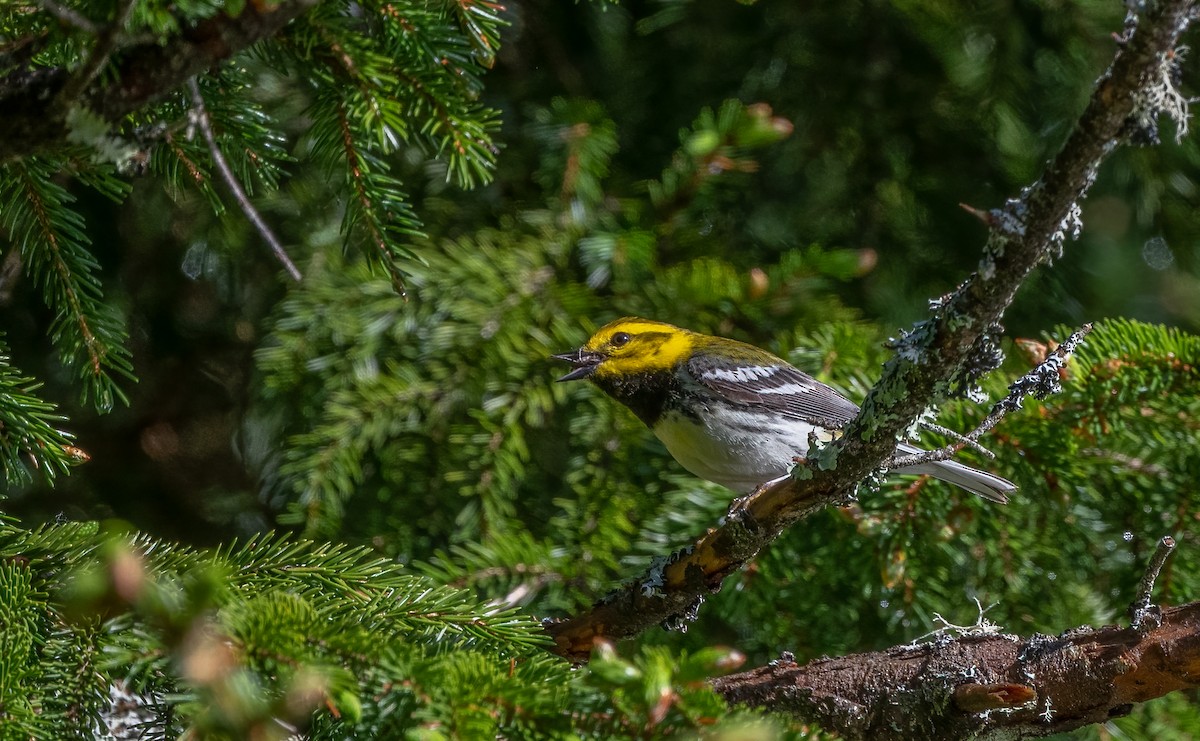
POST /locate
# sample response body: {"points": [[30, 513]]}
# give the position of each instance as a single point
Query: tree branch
{"points": [[941, 356], [946, 685], [34, 121], [948, 688]]}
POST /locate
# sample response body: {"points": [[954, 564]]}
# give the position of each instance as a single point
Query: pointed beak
{"points": [[584, 362]]}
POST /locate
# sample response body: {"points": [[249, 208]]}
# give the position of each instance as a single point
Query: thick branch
{"points": [[35, 119], [941, 355], [948, 688]]}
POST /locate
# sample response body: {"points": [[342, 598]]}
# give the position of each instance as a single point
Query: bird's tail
{"points": [[987, 485]]}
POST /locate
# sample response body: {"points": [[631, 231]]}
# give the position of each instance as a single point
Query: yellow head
{"points": [[630, 347]]}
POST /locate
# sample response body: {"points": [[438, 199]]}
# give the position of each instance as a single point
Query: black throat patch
{"points": [[648, 395]]}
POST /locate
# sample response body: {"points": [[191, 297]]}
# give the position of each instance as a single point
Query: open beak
{"points": [[584, 362]]}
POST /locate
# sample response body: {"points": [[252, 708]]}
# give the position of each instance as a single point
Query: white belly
{"points": [[749, 451]]}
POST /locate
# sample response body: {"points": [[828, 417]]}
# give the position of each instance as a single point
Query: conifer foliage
{"points": [[439, 495]]}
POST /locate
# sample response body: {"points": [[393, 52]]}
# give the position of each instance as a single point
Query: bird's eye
{"points": [[619, 339]]}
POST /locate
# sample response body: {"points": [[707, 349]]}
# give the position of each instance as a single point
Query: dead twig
{"points": [[205, 124], [1144, 615]]}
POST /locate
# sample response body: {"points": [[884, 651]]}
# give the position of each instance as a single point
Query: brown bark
{"points": [[981, 686], [939, 357]]}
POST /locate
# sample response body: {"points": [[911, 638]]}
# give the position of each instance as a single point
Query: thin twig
{"points": [[202, 120], [1040, 382], [1143, 614], [958, 437]]}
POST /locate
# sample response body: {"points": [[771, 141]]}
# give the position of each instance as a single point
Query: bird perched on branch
{"points": [[729, 412]]}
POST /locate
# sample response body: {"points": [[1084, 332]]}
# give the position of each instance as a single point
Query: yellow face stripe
{"points": [[651, 347]]}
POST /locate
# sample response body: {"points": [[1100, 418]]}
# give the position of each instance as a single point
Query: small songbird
{"points": [[729, 412]]}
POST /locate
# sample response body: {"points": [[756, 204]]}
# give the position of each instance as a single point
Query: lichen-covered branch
{"points": [[35, 117], [940, 357], [981, 686]]}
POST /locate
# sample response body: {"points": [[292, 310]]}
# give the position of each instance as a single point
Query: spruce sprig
{"points": [[88, 332]]}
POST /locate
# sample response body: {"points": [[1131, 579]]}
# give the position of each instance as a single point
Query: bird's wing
{"points": [[776, 387]]}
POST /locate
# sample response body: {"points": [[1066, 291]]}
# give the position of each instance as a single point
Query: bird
{"points": [[730, 412]]}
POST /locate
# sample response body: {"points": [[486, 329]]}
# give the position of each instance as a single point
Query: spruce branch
{"points": [[87, 332], [29, 431], [940, 357], [237, 638], [205, 124], [982, 684], [378, 204], [35, 122], [52, 238], [358, 177]]}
